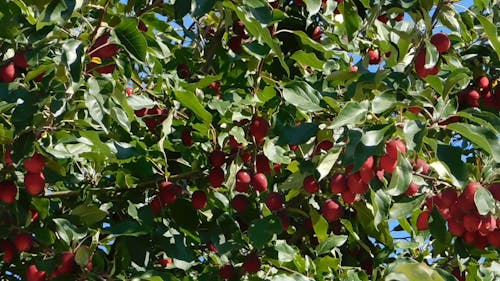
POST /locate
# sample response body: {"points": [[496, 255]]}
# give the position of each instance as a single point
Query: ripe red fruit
{"points": [[421, 166], [299, 3], [8, 73], [259, 182], [226, 271], [353, 69], [165, 262], [33, 274], [338, 183], [324, 145], [240, 203], [388, 164], [262, 164], [35, 164], [311, 185], [383, 18], [373, 56], [239, 28], [216, 177], [470, 190], [183, 71], [8, 249], [245, 156], [393, 146], [217, 158], [348, 197], [259, 129], [448, 198], [235, 44], [67, 263], [472, 222], [366, 170], [156, 206], [316, 34], [459, 275], [168, 192], [199, 199], [420, 65], [470, 237], [399, 17], [142, 26], [243, 180], [141, 112], [187, 138], [331, 210], [34, 183], [494, 188], [356, 185], [412, 189], [23, 242], [8, 192], [251, 263], [494, 238], [483, 83], [20, 61], [414, 109], [488, 224], [441, 41], [423, 220], [284, 219], [274, 201], [456, 228], [470, 97], [129, 91]]}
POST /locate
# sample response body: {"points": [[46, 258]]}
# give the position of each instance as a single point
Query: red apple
{"points": [[259, 182], [251, 263], [199, 199], [470, 237], [448, 198], [274, 201], [259, 129], [239, 28], [217, 158], [338, 183], [156, 206], [456, 228], [494, 238], [356, 185], [423, 220], [240, 203], [35, 164], [488, 224], [235, 44], [33, 274], [366, 170], [262, 164], [383, 18], [129, 91], [412, 189], [353, 69], [226, 271], [331, 210], [373, 56], [187, 138], [441, 41], [183, 71], [8, 192], [494, 188], [23, 242], [470, 190], [34, 183], [311, 185], [348, 197], [142, 26], [168, 193], [472, 222], [243, 180], [483, 83], [388, 164], [20, 61], [421, 166], [8, 73], [216, 177], [8, 249], [316, 34], [399, 17], [393, 146]]}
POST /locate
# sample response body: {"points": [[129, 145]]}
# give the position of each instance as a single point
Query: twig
{"points": [[101, 18]]}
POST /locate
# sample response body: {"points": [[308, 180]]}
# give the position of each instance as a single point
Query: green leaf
{"points": [[418, 271], [191, 101], [182, 8], [437, 226], [131, 38], [401, 177], [352, 113], [307, 59], [275, 153], [320, 225], [73, 53], [414, 133], [482, 137], [88, 214], [82, 256], [183, 213], [262, 231], [327, 162], [452, 157], [491, 30], [266, 94], [431, 55], [405, 207], [381, 203], [285, 252], [485, 202], [383, 102], [202, 7], [313, 6], [330, 243], [121, 117], [68, 232], [302, 96], [352, 21], [297, 134]]}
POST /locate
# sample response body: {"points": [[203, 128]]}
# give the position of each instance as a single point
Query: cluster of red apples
{"points": [[481, 91], [152, 117], [101, 54], [15, 66], [442, 44], [463, 218]]}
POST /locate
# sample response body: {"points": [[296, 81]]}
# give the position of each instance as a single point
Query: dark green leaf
{"points": [[189, 100], [184, 214], [405, 207], [330, 243], [261, 231], [131, 38], [303, 96], [352, 113], [88, 214]]}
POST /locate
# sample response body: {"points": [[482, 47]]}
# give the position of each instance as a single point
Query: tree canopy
{"points": [[249, 140]]}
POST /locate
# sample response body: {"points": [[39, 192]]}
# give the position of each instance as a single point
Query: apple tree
{"points": [[249, 140]]}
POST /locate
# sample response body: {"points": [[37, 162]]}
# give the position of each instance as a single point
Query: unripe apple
{"points": [[441, 41], [373, 56], [199, 199], [423, 220], [331, 210], [23, 242], [483, 83], [338, 183], [348, 197], [494, 188], [310, 184], [187, 138], [262, 164], [243, 180], [274, 201], [34, 183], [240, 203], [33, 274], [494, 238], [412, 189], [8, 192], [183, 71], [251, 263], [472, 222], [217, 158], [259, 182], [356, 185], [235, 44], [216, 177], [366, 170], [456, 228], [226, 271], [8, 73], [259, 129], [20, 61], [8, 249], [35, 164]]}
